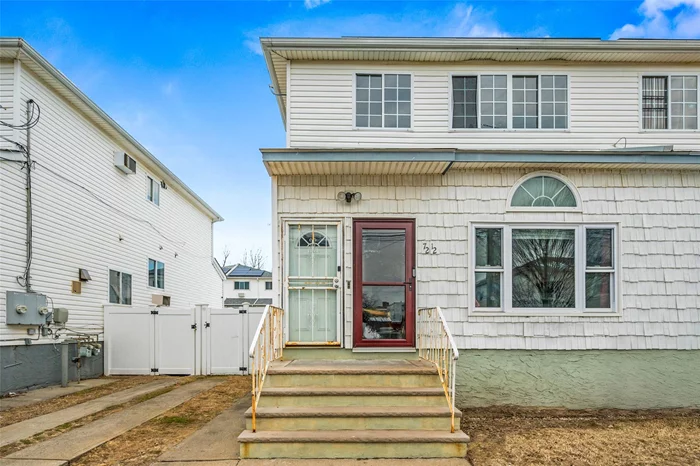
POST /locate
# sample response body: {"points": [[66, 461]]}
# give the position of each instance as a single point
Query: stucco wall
{"points": [[579, 379], [35, 366]]}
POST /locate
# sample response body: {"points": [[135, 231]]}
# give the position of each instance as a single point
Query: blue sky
{"points": [[188, 81]]}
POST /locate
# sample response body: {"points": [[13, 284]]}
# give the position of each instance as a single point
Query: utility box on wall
{"points": [[25, 308]]}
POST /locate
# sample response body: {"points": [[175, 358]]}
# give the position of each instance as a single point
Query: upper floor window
{"points": [[538, 101], [674, 106], [383, 101], [152, 190], [156, 274], [241, 285], [268, 285]]}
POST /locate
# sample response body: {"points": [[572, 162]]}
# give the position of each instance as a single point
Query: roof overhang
{"points": [[280, 162], [280, 51], [18, 49]]}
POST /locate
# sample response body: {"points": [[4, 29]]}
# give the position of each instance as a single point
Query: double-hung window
{"points": [[268, 286], [241, 285], [538, 101], [152, 190], [521, 268], [383, 101], [156, 274], [119, 287], [670, 102]]}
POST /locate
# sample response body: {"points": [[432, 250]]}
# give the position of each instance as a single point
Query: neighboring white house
{"points": [[545, 193], [245, 284], [109, 223]]}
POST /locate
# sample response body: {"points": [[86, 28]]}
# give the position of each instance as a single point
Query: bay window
{"points": [[558, 268]]}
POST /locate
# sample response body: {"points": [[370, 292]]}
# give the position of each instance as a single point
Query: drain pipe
{"points": [[64, 363]]}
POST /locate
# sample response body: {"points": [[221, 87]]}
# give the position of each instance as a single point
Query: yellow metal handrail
{"points": [[267, 346], [435, 344]]}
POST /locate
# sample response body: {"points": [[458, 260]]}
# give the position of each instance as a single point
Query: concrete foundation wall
{"points": [[579, 379], [27, 367]]}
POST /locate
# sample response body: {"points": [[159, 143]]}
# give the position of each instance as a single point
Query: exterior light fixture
{"points": [[349, 196]]}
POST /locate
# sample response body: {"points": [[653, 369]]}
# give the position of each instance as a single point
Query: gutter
{"points": [[33, 55]]}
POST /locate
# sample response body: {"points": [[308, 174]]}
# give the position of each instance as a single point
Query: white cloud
{"points": [[460, 20], [309, 4], [664, 19]]}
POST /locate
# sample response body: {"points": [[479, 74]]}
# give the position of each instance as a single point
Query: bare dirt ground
{"points": [[142, 445], [531, 436], [22, 413]]}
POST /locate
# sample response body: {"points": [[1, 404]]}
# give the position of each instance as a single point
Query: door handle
{"points": [[410, 285]]}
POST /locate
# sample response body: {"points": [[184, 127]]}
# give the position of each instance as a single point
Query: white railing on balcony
{"points": [[268, 343], [435, 344]]}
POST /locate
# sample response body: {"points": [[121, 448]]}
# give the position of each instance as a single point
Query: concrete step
{"points": [[353, 444], [324, 396], [352, 374], [352, 418]]}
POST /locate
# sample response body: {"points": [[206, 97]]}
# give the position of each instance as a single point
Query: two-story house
{"points": [[88, 217], [531, 206], [246, 284]]}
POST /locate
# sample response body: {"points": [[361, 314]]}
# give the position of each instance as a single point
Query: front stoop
{"points": [[352, 409]]}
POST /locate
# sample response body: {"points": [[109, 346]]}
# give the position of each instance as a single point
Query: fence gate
{"points": [[172, 341]]}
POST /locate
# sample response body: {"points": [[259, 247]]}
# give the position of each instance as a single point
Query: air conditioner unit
{"points": [[124, 162], [241, 295], [160, 300]]}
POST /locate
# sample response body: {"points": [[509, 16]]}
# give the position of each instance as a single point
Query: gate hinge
{"points": [[154, 370], [207, 325], [154, 312], [242, 368], [193, 326], [242, 311]]}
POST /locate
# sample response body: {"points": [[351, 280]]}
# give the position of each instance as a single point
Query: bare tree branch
{"points": [[254, 259]]}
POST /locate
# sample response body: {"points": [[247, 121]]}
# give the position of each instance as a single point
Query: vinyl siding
{"points": [[604, 108], [659, 227], [257, 288], [81, 226]]}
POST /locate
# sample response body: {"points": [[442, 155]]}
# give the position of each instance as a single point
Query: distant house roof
{"points": [[243, 271], [237, 302]]}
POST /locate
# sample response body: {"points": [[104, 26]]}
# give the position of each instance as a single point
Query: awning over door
{"points": [[434, 162]]}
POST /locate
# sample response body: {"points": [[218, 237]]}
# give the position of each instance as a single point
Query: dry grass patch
{"points": [[142, 445], [528, 436], [47, 434], [22, 413]]}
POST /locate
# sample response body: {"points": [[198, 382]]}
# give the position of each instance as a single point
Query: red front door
{"points": [[384, 292]]}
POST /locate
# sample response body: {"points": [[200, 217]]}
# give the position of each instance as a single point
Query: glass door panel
{"points": [[312, 284], [384, 288]]}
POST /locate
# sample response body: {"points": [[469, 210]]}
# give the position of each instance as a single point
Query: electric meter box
{"points": [[24, 308]]}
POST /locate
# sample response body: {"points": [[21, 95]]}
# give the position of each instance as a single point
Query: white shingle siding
{"points": [[659, 216], [604, 107], [73, 229]]}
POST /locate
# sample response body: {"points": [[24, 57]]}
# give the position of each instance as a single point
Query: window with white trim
{"points": [[673, 106], [119, 287], [156, 274], [241, 285], [383, 100], [268, 286], [521, 268], [538, 101], [543, 191], [152, 190]]}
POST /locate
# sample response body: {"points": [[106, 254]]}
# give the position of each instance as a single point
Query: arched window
{"points": [[543, 191], [313, 239]]}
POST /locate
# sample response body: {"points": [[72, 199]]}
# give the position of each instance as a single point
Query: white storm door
{"points": [[312, 283]]}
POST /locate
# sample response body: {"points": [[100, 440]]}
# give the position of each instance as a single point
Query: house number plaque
{"points": [[429, 248]]}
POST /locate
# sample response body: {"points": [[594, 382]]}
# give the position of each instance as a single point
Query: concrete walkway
{"points": [[25, 429], [77, 442], [216, 441], [43, 394]]}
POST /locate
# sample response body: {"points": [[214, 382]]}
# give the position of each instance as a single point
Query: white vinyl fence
{"points": [[178, 341]]}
